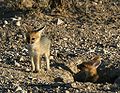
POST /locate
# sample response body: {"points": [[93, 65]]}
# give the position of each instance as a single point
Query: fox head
{"points": [[90, 68], [36, 35], [33, 36]]}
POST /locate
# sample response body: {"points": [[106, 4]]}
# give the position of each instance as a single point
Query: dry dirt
{"points": [[93, 29]]}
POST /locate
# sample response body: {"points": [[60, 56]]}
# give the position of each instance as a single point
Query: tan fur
{"points": [[40, 45], [90, 69]]}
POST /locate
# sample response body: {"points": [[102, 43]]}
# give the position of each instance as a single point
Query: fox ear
{"points": [[40, 30], [96, 61], [97, 64]]}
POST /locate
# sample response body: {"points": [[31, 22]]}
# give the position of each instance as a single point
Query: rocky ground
{"points": [[76, 38]]}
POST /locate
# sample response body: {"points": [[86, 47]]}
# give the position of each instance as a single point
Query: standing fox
{"points": [[39, 46]]}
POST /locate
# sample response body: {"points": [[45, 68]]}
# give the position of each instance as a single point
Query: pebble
{"points": [[18, 23], [22, 59], [59, 21], [16, 19], [0, 59], [17, 64], [30, 77], [91, 50], [28, 70], [59, 67], [51, 57], [65, 39], [18, 89], [106, 51], [3, 25], [67, 91], [74, 85], [19, 18], [118, 45], [94, 3], [77, 91], [5, 22]]}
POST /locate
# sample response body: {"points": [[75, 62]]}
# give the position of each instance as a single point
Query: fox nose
{"points": [[32, 42]]}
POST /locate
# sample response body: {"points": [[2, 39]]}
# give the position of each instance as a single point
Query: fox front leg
{"points": [[37, 63], [47, 56], [33, 65]]}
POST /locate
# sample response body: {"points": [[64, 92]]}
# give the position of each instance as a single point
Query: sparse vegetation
{"points": [[78, 29]]}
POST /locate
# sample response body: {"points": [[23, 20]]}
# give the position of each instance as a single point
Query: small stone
{"points": [[30, 77], [94, 3], [11, 76], [28, 70], [3, 25], [101, 2], [17, 54], [14, 19], [5, 22], [17, 64], [59, 21], [22, 58], [91, 50], [106, 51], [67, 91], [65, 39], [0, 59], [25, 50], [23, 91], [89, 87], [59, 67], [18, 23], [74, 85], [19, 18], [51, 57], [118, 45], [77, 91], [18, 89]]}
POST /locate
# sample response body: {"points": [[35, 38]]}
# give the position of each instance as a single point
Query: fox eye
{"points": [[83, 65], [33, 38]]}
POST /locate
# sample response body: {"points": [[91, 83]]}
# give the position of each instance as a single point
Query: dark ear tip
{"points": [[40, 29]]}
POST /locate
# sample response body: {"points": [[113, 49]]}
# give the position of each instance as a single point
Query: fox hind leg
{"points": [[47, 56]]}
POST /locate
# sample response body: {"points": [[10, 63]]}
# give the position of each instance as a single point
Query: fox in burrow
{"points": [[39, 46], [88, 70]]}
